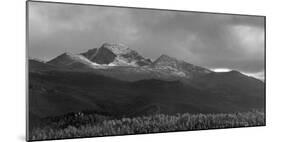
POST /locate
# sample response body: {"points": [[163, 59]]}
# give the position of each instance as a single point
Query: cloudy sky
{"points": [[215, 41]]}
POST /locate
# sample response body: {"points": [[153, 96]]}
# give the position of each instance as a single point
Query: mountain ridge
{"points": [[119, 82], [110, 55]]}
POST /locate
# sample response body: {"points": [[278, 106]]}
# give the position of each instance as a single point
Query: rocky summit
{"points": [[114, 54]]}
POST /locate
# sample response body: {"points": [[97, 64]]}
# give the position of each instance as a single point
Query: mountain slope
{"points": [[74, 61], [35, 65], [54, 93], [231, 83]]}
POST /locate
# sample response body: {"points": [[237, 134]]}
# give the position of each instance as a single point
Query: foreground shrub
{"points": [[80, 125]]}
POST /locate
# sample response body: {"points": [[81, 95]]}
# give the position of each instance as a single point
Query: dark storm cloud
{"points": [[209, 40]]}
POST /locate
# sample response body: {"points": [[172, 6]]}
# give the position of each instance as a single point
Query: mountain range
{"points": [[116, 80]]}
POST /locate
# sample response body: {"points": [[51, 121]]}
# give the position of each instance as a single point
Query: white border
{"points": [[12, 120]]}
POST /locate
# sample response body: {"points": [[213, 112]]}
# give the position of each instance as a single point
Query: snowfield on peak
{"points": [[117, 49], [121, 61]]}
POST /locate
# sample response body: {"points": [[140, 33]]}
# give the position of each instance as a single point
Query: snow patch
{"points": [[221, 70], [118, 49], [121, 61]]}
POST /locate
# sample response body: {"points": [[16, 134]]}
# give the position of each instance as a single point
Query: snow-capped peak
{"points": [[115, 54], [110, 55], [117, 48]]}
